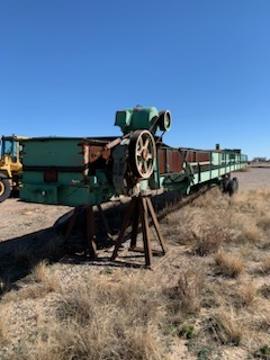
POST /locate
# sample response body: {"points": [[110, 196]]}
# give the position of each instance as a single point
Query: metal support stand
{"points": [[90, 228], [139, 209], [105, 222], [91, 232]]}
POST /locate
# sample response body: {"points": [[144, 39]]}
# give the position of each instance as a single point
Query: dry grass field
{"points": [[208, 298]]}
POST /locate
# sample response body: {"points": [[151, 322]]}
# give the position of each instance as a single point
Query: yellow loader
{"points": [[10, 165]]}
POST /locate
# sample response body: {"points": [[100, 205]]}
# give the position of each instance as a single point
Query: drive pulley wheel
{"points": [[165, 120], [5, 189], [142, 153]]}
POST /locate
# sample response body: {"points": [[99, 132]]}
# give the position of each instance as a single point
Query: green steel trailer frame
{"points": [[89, 171]]}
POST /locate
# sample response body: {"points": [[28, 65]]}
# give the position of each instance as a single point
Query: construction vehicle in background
{"points": [[10, 165]]}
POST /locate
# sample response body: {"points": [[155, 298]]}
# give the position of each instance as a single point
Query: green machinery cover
{"points": [[137, 118], [65, 156]]}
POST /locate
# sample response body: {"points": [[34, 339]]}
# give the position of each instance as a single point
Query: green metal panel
{"points": [[214, 174], [222, 171], [67, 195], [64, 155], [205, 176], [41, 193], [176, 182], [133, 119], [57, 152], [215, 158], [66, 178]]}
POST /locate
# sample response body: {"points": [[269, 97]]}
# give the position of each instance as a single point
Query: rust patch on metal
{"points": [[170, 161], [50, 176]]}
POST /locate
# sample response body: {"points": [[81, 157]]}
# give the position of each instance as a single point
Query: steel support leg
{"points": [[141, 210], [156, 225], [146, 232], [90, 231], [104, 221], [135, 225], [125, 225]]}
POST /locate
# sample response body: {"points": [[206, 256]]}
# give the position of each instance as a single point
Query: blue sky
{"points": [[67, 66]]}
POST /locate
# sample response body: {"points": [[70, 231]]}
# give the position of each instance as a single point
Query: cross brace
{"points": [[139, 210], [90, 227]]}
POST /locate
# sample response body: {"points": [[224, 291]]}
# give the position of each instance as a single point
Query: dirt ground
{"points": [[19, 218], [254, 178], [208, 298]]}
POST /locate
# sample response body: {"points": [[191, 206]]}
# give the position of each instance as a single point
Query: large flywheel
{"points": [[142, 153]]}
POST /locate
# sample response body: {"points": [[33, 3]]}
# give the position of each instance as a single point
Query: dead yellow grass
{"points": [[102, 320], [247, 293], [245, 169], [264, 222], [250, 233], [209, 239], [185, 297], [40, 272], [264, 290], [76, 342], [2, 331], [129, 314], [215, 219], [43, 275], [228, 264], [260, 320], [45, 281], [264, 267], [226, 327]]}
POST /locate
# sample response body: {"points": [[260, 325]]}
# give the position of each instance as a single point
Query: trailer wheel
{"points": [[224, 184], [5, 189], [232, 186], [142, 153]]}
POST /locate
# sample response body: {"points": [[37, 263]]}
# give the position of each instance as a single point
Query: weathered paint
{"points": [[75, 171]]}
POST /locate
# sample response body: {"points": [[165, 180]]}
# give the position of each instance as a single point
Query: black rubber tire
{"points": [[5, 183], [224, 185], [232, 186]]}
